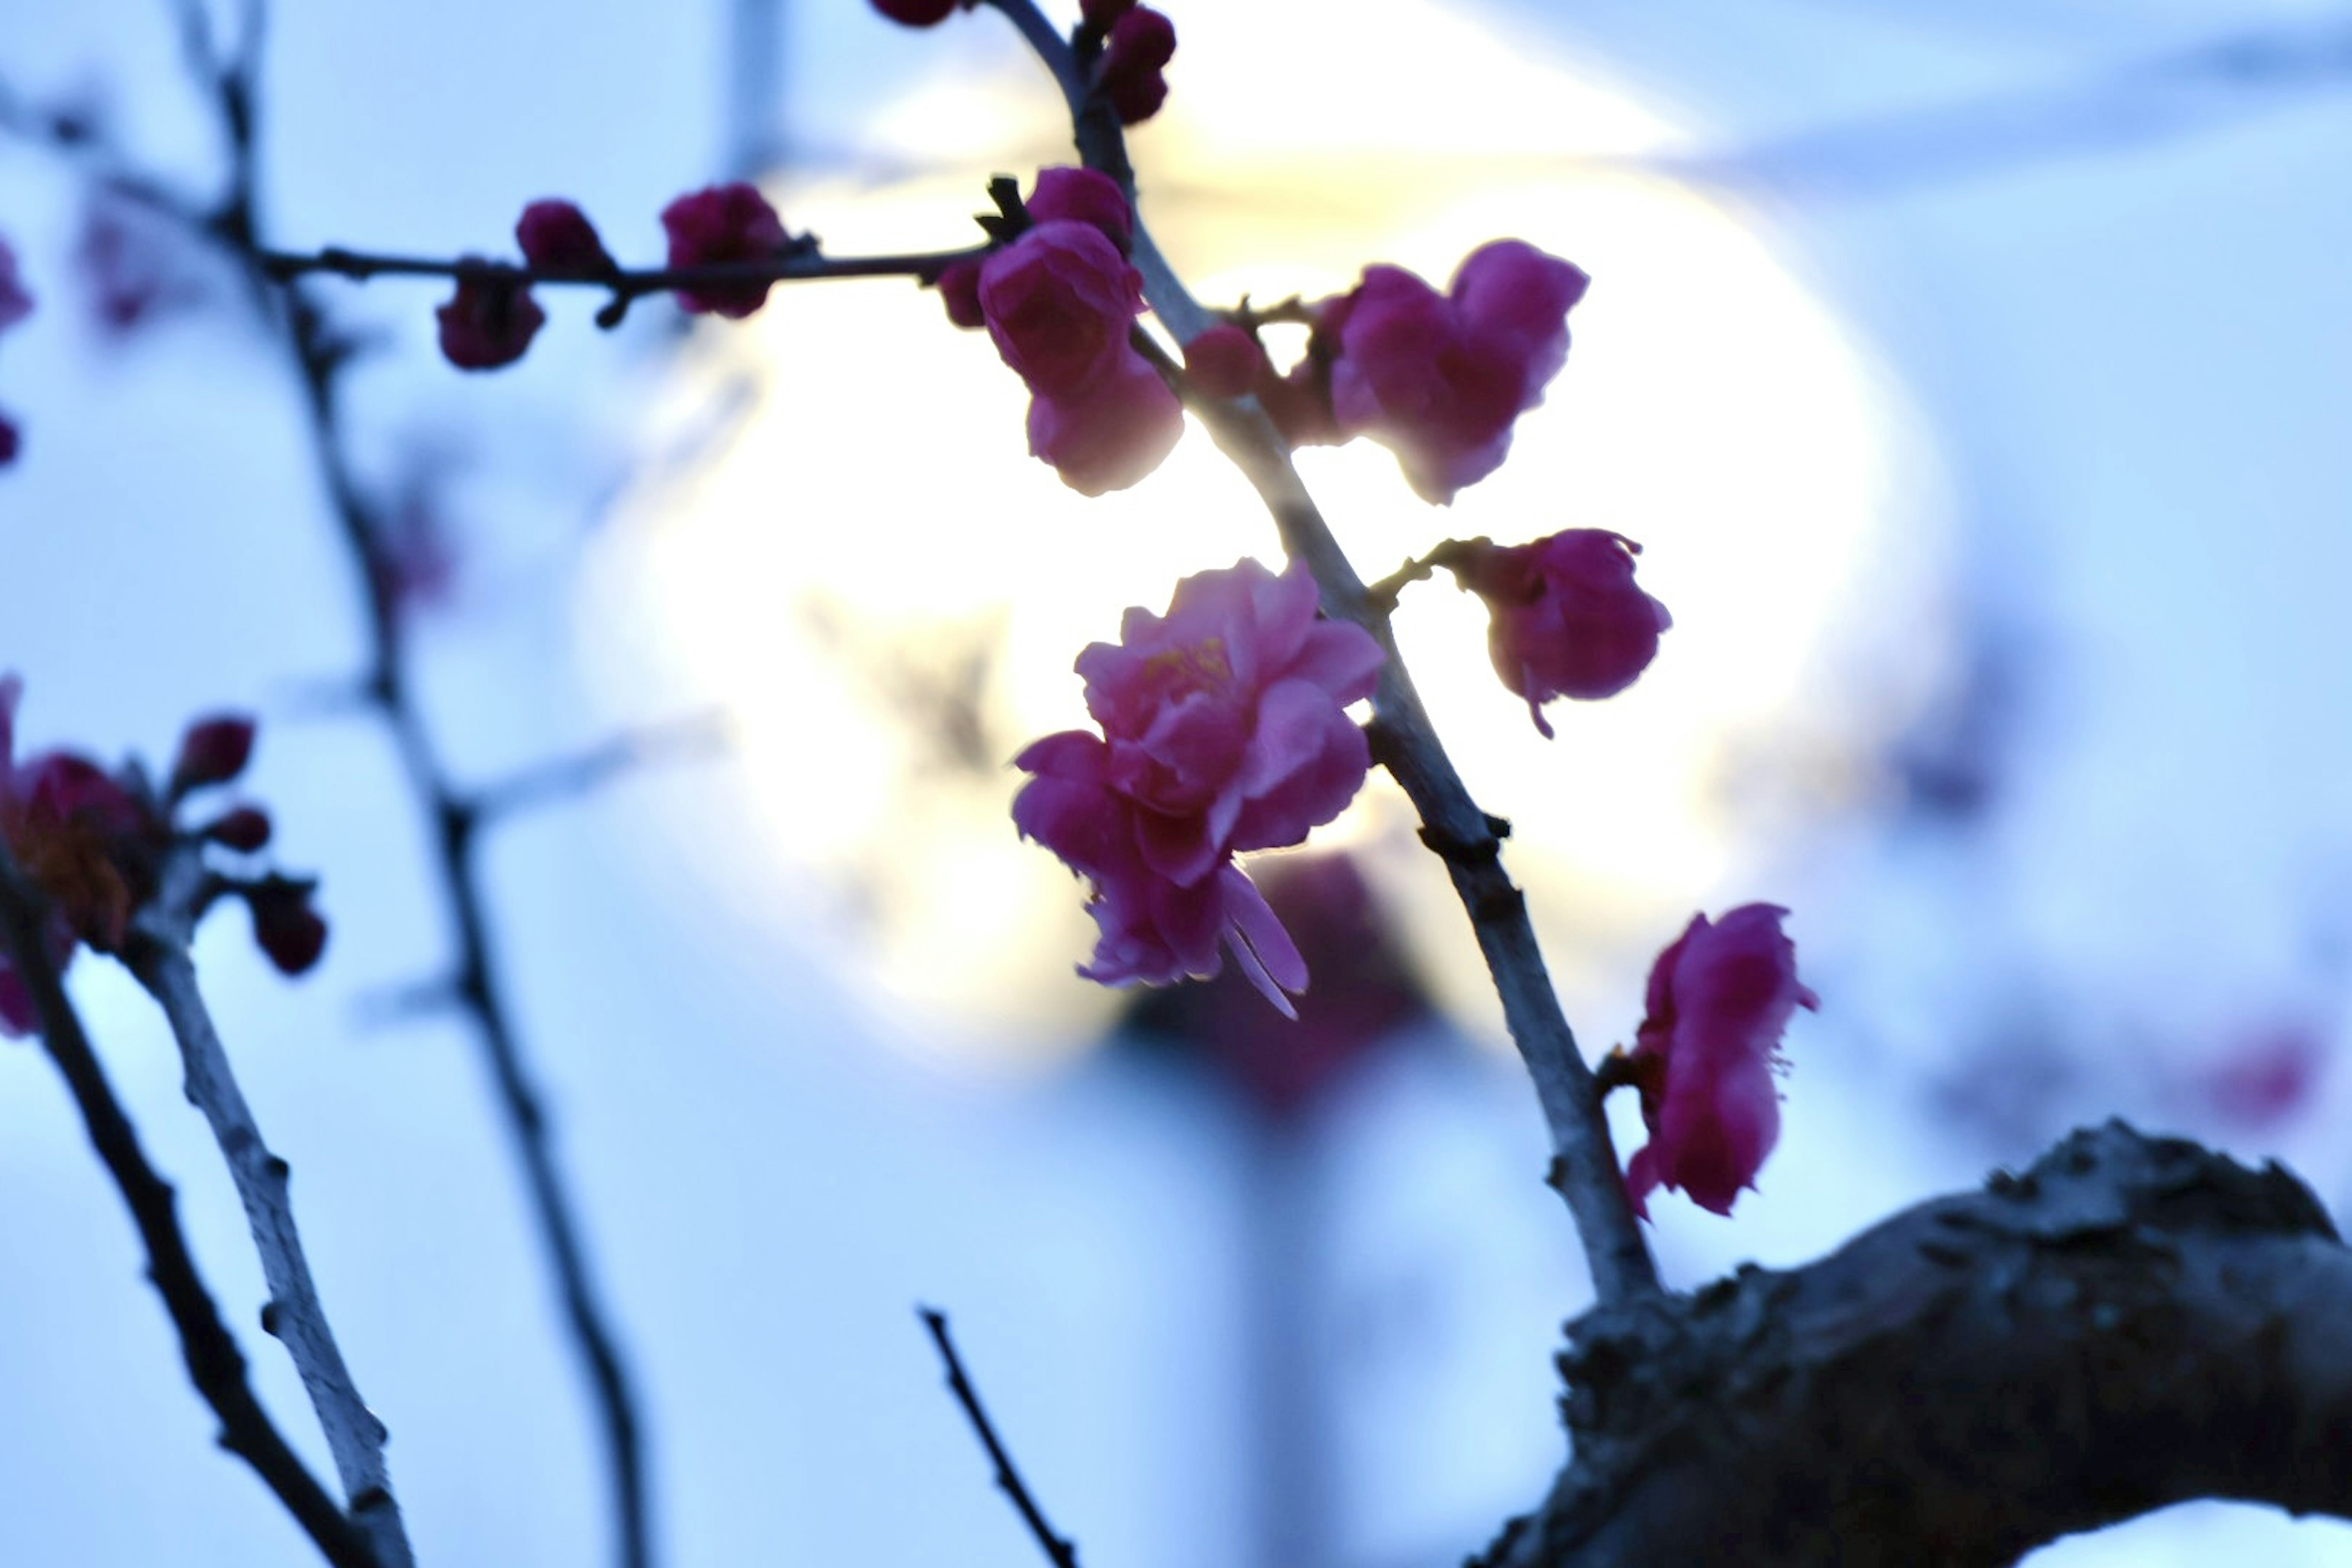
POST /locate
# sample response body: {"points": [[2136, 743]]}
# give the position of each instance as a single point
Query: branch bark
{"points": [[1584, 1159], [215, 1363], [157, 953], [2130, 1324]]}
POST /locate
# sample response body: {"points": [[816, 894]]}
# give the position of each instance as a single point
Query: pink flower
{"points": [[715, 226], [1060, 302], [1720, 999], [959, 288], [558, 239], [1439, 378], [1082, 195], [1224, 361], [10, 441], [488, 322], [1140, 44], [1223, 731], [1569, 620]]}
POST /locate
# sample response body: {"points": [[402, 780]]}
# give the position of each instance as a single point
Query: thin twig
{"points": [[1585, 1169], [1060, 1552], [215, 1363], [158, 955], [566, 778]]}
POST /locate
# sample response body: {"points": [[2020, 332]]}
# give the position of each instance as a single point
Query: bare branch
{"points": [[1584, 1164], [215, 1363], [689, 739], [2132, 1322], [1060, 1552], [157, 955]]}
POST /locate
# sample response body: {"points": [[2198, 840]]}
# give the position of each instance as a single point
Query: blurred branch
{"points": [[2130, 1324], [215, 1363], [158, 955], [1061, 1553], [1584, 1162], [567, 778]]}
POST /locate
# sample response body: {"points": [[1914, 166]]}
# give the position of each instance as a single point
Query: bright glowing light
{"points": [[878, 522]]}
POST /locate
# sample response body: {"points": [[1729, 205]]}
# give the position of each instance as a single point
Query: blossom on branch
{"points": [[1060, 302], [1441, 378], [921, 13], [488, 322], [1720, 999], [719, 225], [1223, 731], [557, 238], [1063, 193], [1224, 361], [1139, 44], [1568, 619]]}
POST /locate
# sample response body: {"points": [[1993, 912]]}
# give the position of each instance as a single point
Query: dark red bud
{"points": [[244, 830], [286, 927], [212, 752], [557, 238], [917, 13], [1101, 14], [488, 323]]}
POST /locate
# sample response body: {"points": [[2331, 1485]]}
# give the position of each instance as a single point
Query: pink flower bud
{"points": [[1224, 361], [1083, 196], [1140, 45], [557, 238], [718, 226], [919, 13], [1111, 436], [1441, 378], [289, 932], [1569, 620], [488, 322], [1223, 729], [959, 289], [212, 752], [244, 828], [1719, 999]]}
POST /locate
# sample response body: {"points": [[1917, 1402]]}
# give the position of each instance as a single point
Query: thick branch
{"points": [[158, 955], [2131, 1323], [1584, 1163], [216, 1365]]}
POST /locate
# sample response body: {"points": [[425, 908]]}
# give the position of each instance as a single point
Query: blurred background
{"points": [[1974, 375]]}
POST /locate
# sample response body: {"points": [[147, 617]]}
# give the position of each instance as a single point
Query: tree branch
{"points": [[1061, 1553], [157, 955], [215, 1363], [1584, 1162], [2132, 1322]]}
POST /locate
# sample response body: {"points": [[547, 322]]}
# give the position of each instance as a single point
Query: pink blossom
{"points": [[1569, 620], [558, 239], [1223, 731], [65, 821], [488, 322], [1140, 44], [1082, 195], [959, 288], [11, 442], [715, 226], [1223, 362], [1060, 302], [1439, 378], [1720, 999]]}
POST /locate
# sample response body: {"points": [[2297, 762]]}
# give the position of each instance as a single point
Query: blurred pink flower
{"points": [[15, 302], [1063, 193], [1720, 999], [556, 237], [1223, 362], [488, 322], [1439, 378], [1568, 619], [719, 225], [1140, 44], [1223, 731], [920, 12], [1060, 302]]}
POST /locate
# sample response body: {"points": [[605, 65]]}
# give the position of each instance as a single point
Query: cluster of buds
{"points": [[92, 845], [1136, 43]]}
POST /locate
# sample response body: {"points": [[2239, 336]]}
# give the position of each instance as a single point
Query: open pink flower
{"points": [[1568, 619], [1720, 999], [1223, 729], [1060, 302], [1439, 378], [714, 226]]}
